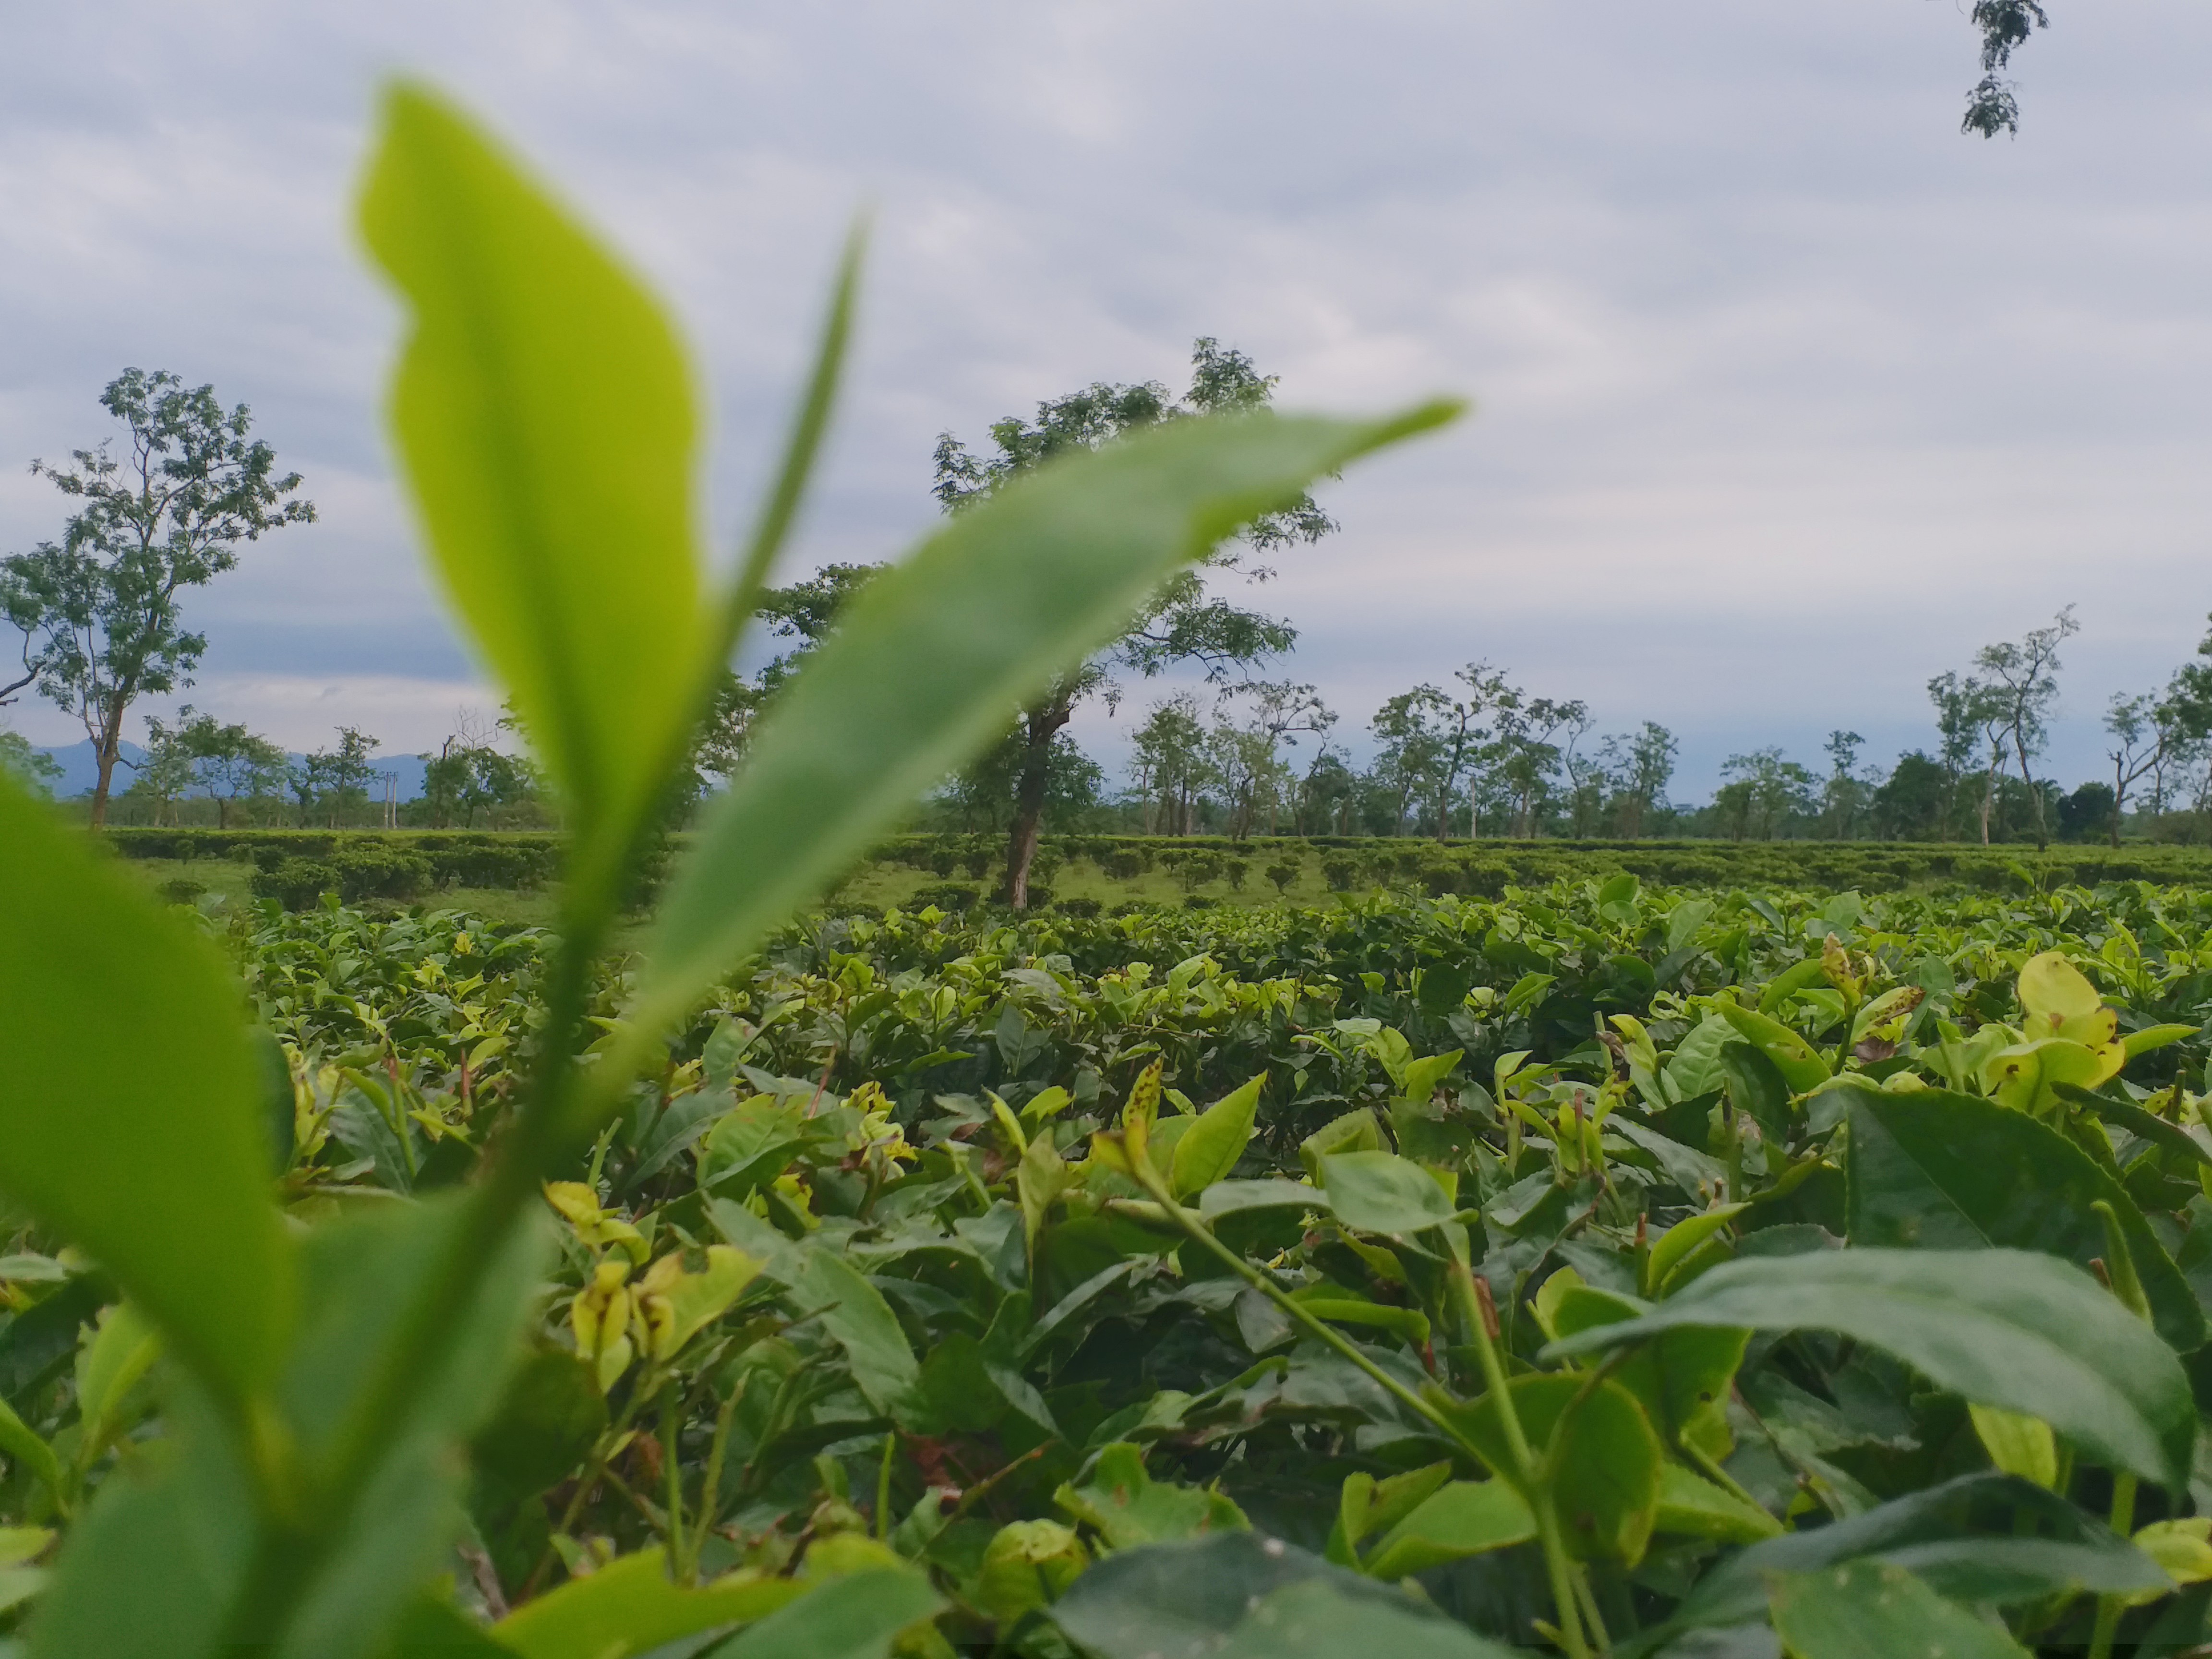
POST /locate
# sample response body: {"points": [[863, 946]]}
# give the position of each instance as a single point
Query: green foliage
{"points": [[1589, 1264], [32, 768], [1340, 1015], [302, 1480], [2005, 25], [2004, 1328], [860, 737], [979, 1325], [521, 862]]}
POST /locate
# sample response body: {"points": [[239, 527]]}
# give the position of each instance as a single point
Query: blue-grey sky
{"points": [[1789, 396]]}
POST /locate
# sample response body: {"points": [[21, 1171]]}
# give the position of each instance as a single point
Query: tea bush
{"points": [[1616, 1092]]}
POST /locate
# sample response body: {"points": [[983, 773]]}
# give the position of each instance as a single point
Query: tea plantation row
{"points": [[1012, 1249], [1091, 873]]}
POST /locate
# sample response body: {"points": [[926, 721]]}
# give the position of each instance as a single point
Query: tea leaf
{"points": [[1317, 1619], [1979, 1538], [1606, 1488], [931, 656], [1672, 1247], [151, 1567], [1691, 1505], [2019, 1445], [19, 1444], [130, 1104], [1383, 1193], [630, 1604], [2000, 1328], [1128, 1507], [1026, 1566], [1799, 1064], [547, 421], [1944, 1171], [1464, 1518], [857, 1616], [1180, 1598], [360, 1279], [1365, 1506], [1870, 1610], [854, 1312], [1209, 1149]]}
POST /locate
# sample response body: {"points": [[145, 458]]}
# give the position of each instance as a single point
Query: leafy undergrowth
{"points": [[1150, 1281]]}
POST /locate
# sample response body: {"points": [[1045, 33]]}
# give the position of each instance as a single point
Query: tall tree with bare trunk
{"points": [[98, 611]]}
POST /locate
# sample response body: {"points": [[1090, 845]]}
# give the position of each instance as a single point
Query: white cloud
{"points": [[1789, 395]]}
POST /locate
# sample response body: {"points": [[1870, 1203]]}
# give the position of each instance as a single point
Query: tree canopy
{"points": [[2005, 25]]}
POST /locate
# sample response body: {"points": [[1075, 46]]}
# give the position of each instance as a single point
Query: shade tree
{"points": [[794, 621], [1169, 767], [2020, 678], [228, 762], [1252, 724], [471, 774], [334, 780], [1763, 792], [100, 611], [1638, 766], [982, 795], [164, 767], [1187, 622]]}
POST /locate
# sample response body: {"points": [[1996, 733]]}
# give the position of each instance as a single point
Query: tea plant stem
{"points": [[1532, 1480], [1196, 1230], [1585, 1599], [637, 1502], [1478, 1321], [2109, 1607], [1709, 1467], [883, 1487], [677, 1533], [594, 1472], [1548, 1528], [983, 1488], [710, 1486]]}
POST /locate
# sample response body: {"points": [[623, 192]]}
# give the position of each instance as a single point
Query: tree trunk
{"points": [[110, 745], [1041, 727], [2034, 795]]}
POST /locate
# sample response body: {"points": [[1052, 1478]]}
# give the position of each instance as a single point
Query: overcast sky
{"points": [[1789, 396]]}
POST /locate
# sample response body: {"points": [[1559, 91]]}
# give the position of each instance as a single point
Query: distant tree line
{"points": [[1242, 754]]}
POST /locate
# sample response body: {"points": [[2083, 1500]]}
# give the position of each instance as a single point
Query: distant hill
{"points": [[81, 769]]}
